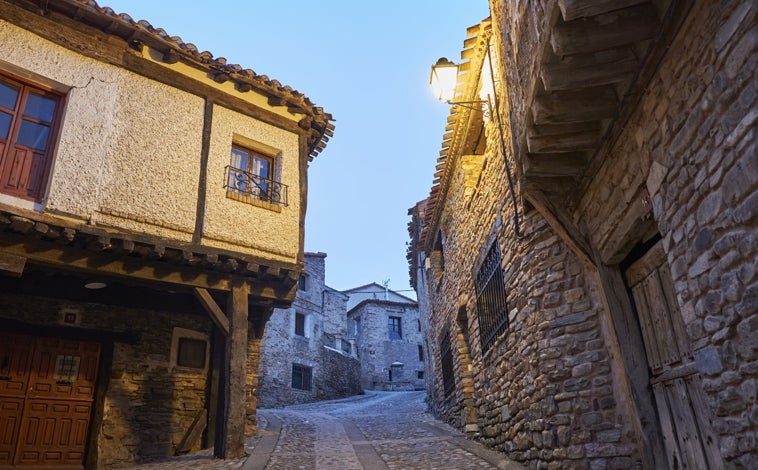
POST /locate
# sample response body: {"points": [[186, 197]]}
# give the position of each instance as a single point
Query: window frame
{"points": [[304, 381], [304, 324], [41, 160], [395, 333], [270, 193]]}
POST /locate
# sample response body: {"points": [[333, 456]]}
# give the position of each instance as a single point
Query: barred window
{"points": [[491, 307], [446, 353], [301, 376]]}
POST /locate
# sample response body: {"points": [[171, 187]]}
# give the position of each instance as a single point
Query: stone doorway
{"points": [[47, 389], [674, 379]]}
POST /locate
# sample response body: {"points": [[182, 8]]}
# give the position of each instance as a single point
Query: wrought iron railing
{"points": [[491, 306], [249, 184]]}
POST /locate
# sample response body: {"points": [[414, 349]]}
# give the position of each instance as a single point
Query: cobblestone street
{"points": [[379, 430]]}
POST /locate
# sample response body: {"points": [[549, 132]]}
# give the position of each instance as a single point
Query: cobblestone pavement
{"points": [[376, 431]]}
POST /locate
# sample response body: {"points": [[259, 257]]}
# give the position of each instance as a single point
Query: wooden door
{"points": [[684, 417], [46, 396]]}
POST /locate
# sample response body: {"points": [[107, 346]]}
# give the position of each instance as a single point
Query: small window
{"points": [[251, 176], [420, 374], [191, 353], [29, 121], [346, 347], [357, 326], [301, 376], [418, 322], [395, 328], [302, 282], [300, 324], [420, 353]]}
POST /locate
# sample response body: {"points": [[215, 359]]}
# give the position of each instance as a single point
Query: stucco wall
{"points": [[231, 221], [129, 152]]}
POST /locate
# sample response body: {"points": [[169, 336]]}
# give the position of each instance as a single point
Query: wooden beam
{"points": [[12, 265], [555, 164], [607, 31], [573, 9], [552, 138], [71, 258], [589, 70], [214, 311], [591, 104], [232, 437], [561, 224], [193, 434]]}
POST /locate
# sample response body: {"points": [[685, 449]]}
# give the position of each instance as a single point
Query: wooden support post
{"points": [[214, 311], [230, 428], [12, 265]]}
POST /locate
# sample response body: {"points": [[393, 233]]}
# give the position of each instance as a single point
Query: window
{"points": [[419, 324], [395, 328], [191, 353], [446, 357], [300, 324], [491, 307], [28, 123], [250, 174], [420, 374], [420, 353], [357, 326], [302, 282], [301, 376]]}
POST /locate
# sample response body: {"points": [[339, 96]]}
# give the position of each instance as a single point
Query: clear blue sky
{"points": [[367, 63]]}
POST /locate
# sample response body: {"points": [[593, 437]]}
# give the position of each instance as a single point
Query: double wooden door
{"points": [[47, 388], [688, 438]]}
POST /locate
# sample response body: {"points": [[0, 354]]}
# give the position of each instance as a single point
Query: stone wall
{"points": [[377, 352], [149, 402], [320, 348], [691, 143]]}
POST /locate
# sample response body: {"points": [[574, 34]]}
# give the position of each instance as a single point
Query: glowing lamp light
{"points": [[443, 79]]}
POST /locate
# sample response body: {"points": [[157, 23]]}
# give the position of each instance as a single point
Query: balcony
{"points": [[249, 187]]}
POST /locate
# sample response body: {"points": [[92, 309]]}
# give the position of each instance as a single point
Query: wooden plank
{"points": [[708, 439], [670, 440], [12, 265], [214, 311], [568, 142], [677, 323], [662, 319], [589, 70], [646, 326], [193, 434], [686, 427], [573, 9], [608, 31], [591, 104]]}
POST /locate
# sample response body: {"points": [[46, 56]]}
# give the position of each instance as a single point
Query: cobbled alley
{"points": [[379, 430]]}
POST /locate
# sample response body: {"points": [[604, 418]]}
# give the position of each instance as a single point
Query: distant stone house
{"points": [[587, 251], [152, 200], [387, 333], [305, 352]]}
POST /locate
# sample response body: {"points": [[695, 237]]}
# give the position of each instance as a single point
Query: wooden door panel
{"points": [[54, 433], [15, 355], [10, 421], [682, 411], [63, 368]]}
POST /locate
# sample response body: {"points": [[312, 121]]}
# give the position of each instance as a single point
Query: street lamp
{"points": [[444, 79]]}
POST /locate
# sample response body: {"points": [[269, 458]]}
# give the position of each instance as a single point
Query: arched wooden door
{"points": [[688, 438], [47, 389]]}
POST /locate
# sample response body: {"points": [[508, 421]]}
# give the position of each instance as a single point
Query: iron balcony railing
{"points": [[251, 185]]}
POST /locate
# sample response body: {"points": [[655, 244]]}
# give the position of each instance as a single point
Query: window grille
{"points": [[299, 324], [446, 353], [301, 376], [491, 306]]}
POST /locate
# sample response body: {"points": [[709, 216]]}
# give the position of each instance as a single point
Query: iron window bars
{"points": [[491, 306], [251, 185]]}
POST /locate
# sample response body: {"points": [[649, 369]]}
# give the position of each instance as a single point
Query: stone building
{"points": [[305, 353], [386, 330], [588, 249], [152, 199]]}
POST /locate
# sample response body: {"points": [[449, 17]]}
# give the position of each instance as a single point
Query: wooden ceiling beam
{"points": [[557, 138], [591, 104], [595, 69], [607, 31], [555, 164], [573, 9]]}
